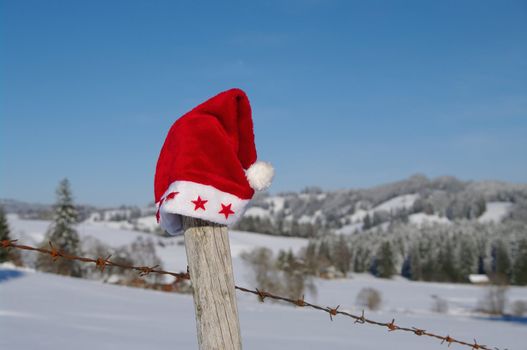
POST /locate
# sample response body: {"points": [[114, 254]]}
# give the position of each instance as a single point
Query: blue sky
{"points": [[344, 93]]}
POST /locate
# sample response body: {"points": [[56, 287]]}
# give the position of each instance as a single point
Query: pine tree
{"points": [[385, 261], [519, 269], [428, 262], [366, 222], [501, 260], [342, 255], [4, 235], [62, 234], [310, 258], [467, 258], [416, 270], [447, 271], [361, 259], [406, 269]]}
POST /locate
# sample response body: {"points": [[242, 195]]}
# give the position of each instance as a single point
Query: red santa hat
{"points": [[207, 167]]}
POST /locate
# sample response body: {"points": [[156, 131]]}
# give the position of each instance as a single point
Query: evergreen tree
{"points": [[366, 222], [467, 258], [447, 271], [310, 258], [374, 266], [428, 260], [519, 269], [416, 269], [481, 264], [406, 269], [62, 234], [385, 261], [377, 219], [342, 255], [480, 207], [4, 235], [361, 259], [418, 205], [501, 261], [355, 265]]}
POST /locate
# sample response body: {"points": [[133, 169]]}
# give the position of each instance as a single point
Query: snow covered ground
{"points": [[405, 201], [422, 219], [48, 312], [41, 311], [495, 211]]}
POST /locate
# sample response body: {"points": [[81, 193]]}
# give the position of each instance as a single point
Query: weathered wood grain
{"points": [[210, 264]]}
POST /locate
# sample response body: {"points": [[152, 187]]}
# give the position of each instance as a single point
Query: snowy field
{"points": [[42, 311]]}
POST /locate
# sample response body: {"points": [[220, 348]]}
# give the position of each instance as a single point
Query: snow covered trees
{"points": [[313, 212], [442, 253], [4, 235], [62, 234], [7, 255]]}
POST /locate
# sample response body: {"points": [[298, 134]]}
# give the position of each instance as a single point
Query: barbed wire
{"points": [[102, 262]]}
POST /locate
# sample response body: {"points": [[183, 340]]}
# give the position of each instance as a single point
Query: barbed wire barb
{"points": [[391, 326], [101, 263], [361, 319], [333, 312], [448, 340]]}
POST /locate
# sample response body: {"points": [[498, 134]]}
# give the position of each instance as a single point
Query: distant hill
{"points": [[39, 211], [25, 209], [418, 200]]}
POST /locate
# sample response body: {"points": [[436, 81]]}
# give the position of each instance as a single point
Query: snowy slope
{"points": [[349, 229], [257, 212], [34, 231], [392, 205], [397, 203], [422, 219], [276, 203], [48, 312], [495, 211], [400, 202]]}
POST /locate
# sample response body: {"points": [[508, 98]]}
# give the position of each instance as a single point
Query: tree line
{"points": [[431, 253]]}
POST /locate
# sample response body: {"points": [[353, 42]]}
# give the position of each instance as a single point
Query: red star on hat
{"points": [[199, 203], [226, 210], [171, 195]]}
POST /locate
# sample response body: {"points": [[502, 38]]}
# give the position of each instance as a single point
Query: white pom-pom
{"points": [[260, 175]]}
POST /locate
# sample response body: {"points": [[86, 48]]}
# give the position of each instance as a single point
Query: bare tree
{"points": [[495, 298], [370, 298]]}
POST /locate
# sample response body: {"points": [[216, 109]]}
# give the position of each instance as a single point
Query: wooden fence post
{"points": [[210, 264]]}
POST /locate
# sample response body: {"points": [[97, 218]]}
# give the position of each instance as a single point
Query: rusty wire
{"points": [[101, 264]]}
